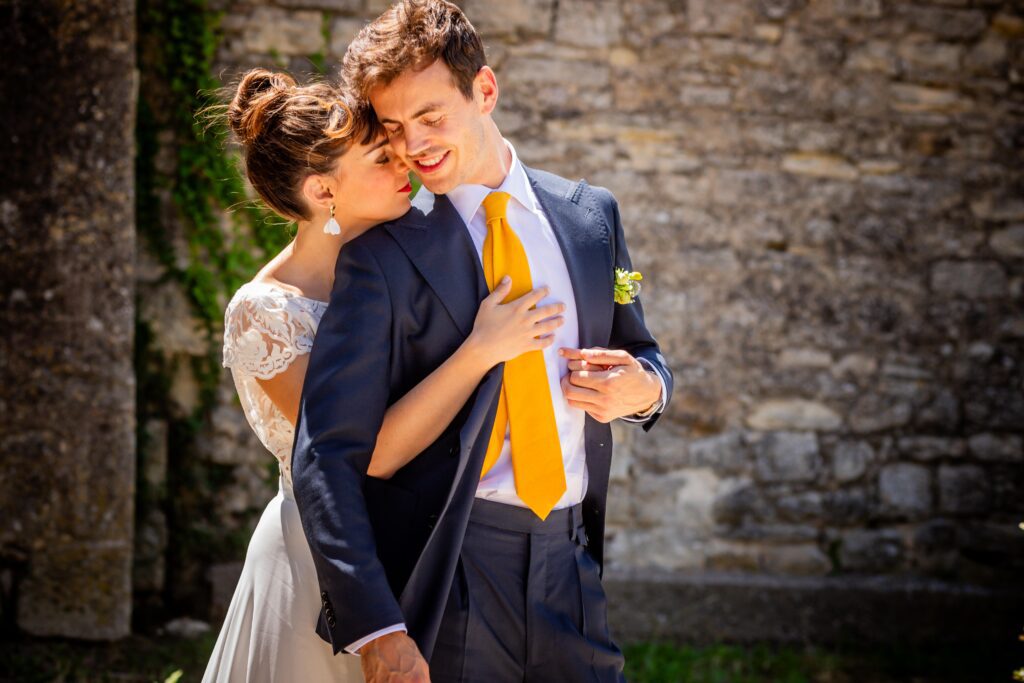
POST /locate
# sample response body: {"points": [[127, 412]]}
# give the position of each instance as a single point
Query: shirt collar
{"points": [[468, 198]]}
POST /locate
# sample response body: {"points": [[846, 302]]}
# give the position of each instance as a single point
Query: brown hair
{"points": [[289, 132], [413, 34]]}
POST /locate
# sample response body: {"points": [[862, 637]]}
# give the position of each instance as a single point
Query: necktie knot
{"points": [[495, 205]]}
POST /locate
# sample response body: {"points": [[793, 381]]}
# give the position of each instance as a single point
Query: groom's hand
{"points": [[393, 658], [608, 384]]}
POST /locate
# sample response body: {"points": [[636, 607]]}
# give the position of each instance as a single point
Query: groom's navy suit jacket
{"points": [[405, 297]]}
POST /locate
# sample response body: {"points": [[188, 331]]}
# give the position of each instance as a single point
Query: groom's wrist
{"points": [[659, 398], [360, 646]]}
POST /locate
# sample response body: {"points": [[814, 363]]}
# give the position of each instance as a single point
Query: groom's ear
{"points": [[485, 90]]}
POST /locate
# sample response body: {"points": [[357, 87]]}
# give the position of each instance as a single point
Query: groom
{"points": [[483, 555]]}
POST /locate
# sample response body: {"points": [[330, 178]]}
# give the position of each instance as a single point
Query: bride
{"points": [[316, 160]]}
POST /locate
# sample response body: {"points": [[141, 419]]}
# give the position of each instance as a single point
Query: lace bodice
{"points": [[265, 329]]}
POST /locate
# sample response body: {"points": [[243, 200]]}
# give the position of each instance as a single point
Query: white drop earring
{"points": [[331, 227]]}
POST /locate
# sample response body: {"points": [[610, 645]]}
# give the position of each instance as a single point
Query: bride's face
{"points": [[371, 184]]}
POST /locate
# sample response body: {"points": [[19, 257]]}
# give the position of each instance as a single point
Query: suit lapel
{"points": [[584, 239], [437, 242]]}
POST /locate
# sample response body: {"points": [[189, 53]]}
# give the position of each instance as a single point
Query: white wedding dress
{"points": [[268, 633]]}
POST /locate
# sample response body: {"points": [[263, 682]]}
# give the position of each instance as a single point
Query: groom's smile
{"points": [[431, 164]]}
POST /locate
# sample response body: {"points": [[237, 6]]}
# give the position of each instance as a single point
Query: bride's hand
{"points": [[503, 331]]}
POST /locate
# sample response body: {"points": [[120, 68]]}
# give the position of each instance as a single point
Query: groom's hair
{"points": [[413, 34]]}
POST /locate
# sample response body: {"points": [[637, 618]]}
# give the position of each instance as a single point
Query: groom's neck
{"points": [[496, 160]]}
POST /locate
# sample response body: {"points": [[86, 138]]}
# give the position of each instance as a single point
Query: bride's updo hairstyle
{"points": [[289, 132]]}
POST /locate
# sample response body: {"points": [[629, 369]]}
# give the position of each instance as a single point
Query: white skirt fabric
{"points": [[268, 634]]}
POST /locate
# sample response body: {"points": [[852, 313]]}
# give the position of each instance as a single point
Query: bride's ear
{"points": [[318, 191]]}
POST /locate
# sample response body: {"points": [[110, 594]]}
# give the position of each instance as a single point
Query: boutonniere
{"points": [[627, 285]]}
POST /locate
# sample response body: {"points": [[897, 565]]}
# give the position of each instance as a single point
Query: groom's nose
{"points": [[415, 143]]}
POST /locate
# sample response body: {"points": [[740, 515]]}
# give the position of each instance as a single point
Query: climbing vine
{"points": [[196, 219], [206, 182]]}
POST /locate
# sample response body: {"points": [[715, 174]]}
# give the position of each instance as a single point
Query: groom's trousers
{"points": [[526, 604]]}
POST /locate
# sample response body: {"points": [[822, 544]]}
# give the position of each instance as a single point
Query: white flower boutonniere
{"points": [[627, 285]]}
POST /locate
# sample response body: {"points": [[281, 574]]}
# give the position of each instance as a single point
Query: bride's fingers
{"points": [[542, 312], [543, 342], [500, 292], [530, 299], [546, 326]]}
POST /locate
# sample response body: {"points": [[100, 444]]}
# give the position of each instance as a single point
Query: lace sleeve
{"points": [[265, 332]]}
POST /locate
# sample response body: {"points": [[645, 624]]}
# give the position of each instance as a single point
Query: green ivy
{"points": [[214, 241], [207, 182]]}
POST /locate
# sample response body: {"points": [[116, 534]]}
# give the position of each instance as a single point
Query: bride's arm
{"points": [[501, 331]]}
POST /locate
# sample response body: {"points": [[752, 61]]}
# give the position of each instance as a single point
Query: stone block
{"points": [[846, 507], [963, 489], [945, 22], [931, 447], [788, 456], [78, 590], [271, 30], [874, 413], [972, 279], [801, 507], [850, 460], [222, 578], [589, 23], [739, 500], [864, 550], [343, 32], [1009, 242], [794, 415], [795, 560], [905, 488], [522, 17], [910, 98], [175, 329], [857, 9], [724, 453], [819, 165], [997, 447], [343, 6], [720, 18]]}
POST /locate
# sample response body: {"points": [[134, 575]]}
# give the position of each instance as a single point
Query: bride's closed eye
{"points": [[383, 159], [433, 122]]}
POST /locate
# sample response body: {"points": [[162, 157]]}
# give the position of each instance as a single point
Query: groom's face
{"points": [[433, 126]]}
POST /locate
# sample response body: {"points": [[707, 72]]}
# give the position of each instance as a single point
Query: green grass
{"points": [[133, 660], [661, 663], [141, 659], [728, 664]]}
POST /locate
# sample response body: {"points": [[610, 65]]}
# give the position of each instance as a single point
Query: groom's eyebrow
{"points": [[377, 146], [425, 109]]}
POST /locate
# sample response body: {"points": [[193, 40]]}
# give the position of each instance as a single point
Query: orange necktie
{"points": [[524, 405]]}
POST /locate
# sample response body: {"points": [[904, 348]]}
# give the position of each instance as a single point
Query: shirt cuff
{"points": [[658, 405], [354, 647]]}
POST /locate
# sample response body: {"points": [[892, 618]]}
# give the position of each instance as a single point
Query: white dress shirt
{"points": [[547, 267]]}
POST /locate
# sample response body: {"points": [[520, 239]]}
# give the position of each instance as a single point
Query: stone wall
{"points": [[826, 198], [67, 247]]}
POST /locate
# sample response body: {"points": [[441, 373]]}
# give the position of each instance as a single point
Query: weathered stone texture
{"points": [[67, 243], [827, 201]]}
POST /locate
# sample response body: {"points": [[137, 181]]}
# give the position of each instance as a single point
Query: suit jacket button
{"points": [[331, 622], [453, 450], [323, 595]]}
